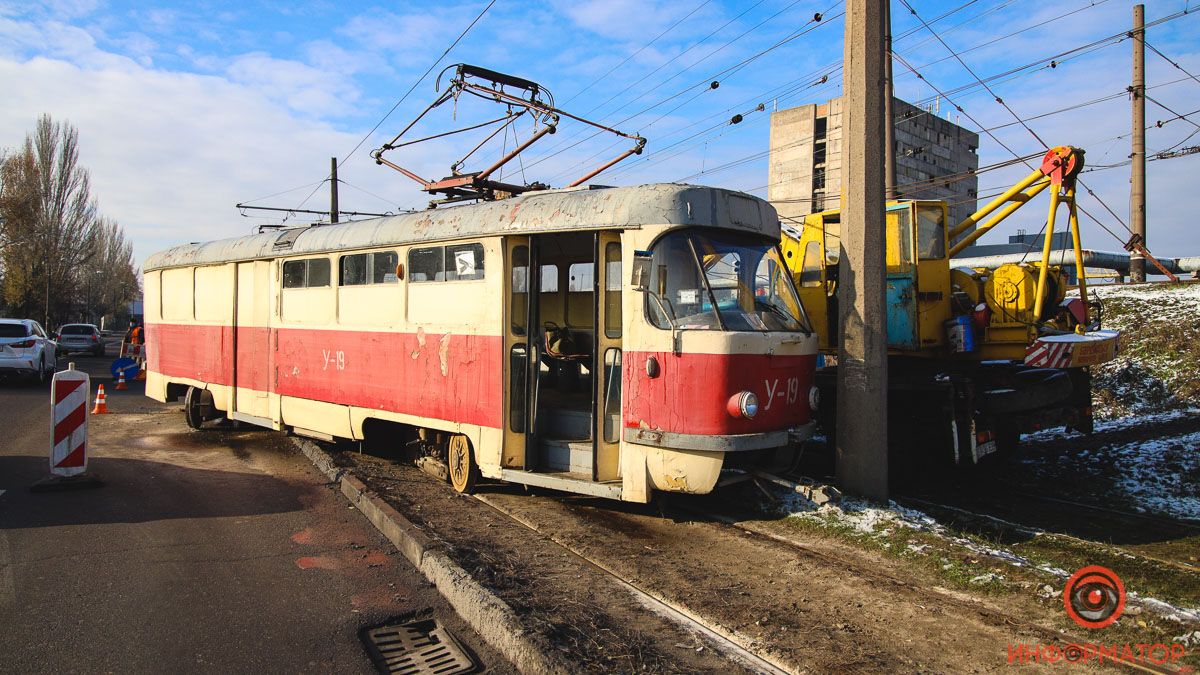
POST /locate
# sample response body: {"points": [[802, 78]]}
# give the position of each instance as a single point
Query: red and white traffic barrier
{"points": [[68, 432]]}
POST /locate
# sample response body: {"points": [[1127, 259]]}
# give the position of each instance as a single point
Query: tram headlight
{"points": [[814, 398], [743, 404]]}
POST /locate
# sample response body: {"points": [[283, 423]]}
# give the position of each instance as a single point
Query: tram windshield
{"points": [[720, 280]]}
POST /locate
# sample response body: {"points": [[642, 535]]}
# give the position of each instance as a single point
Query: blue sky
{"points": [[185, 109]]}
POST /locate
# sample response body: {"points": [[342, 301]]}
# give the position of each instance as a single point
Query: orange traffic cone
{"points": [[141, 372], [120, 381], [101, 407]]}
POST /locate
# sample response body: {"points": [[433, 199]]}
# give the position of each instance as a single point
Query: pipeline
{"points": [[1066, 257]]}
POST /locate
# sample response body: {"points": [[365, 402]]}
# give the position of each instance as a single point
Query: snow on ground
{"points": [[1156, 475], [1182, 300], [1116, 424], [1159, 364], [1162, 475], [879, 522]]}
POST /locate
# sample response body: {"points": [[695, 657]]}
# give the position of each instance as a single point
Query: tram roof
{"points": [[572, 209]]}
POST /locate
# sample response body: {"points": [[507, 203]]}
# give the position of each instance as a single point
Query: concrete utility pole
{"points": [[862, 449], [1137, 179], [889, 115], [333, 184]]}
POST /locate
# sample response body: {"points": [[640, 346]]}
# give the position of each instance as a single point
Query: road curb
{"points": [[492, 618]]}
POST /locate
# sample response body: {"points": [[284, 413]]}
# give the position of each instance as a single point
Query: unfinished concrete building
{"points": [[806, 159]]}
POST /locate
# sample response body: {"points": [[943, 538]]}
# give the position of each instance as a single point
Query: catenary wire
{"points": [[405, 96]]}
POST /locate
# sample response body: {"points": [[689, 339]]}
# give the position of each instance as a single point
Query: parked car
{"points": [[80, 337], [26, 350]]}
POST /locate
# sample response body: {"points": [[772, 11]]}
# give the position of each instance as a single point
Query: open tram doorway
{"points": [[564, 357]]}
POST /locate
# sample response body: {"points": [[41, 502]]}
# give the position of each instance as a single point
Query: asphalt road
{"points": [[211, 551]]}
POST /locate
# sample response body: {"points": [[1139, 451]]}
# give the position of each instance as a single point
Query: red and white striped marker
{"points": [[68, 434], [68, 422]]}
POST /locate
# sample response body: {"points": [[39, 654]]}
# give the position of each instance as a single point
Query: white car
{"points": [[26, 350]]}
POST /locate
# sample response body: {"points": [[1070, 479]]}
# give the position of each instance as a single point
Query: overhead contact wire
{"points": [[411, 89]]}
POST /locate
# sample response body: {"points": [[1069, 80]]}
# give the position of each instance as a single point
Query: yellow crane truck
{"points": [[976, 356]]}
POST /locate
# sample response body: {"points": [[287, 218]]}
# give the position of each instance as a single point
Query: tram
{"points": [[603, 341]]}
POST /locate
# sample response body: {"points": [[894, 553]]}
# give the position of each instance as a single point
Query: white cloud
{"points": [[400, 34], [311, 91], [171, 153], [55, 39]]}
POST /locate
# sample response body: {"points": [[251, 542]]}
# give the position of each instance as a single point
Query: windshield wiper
{"points": [[788, 318]]}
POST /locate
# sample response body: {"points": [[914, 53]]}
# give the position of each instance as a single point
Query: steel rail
{"points": [[731, 645], [1050, 634]]}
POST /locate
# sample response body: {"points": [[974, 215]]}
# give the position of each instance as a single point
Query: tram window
{"points": [[318, 272], [310, 273], [612, 290], [580, 279], [461, 262], [464, 262], [518, 308], [293, 274], [518, 369], [425, 264], [612, 396], [383, 267], [732, 288], [354, 270], [549, 279]]}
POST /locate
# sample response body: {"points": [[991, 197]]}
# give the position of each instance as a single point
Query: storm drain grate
{"points": [[418, 647]]}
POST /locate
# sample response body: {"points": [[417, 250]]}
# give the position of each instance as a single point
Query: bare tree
{"points": [[109, 280], [50, 221]]}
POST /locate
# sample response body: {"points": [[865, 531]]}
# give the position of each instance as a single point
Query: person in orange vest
{"points": [[134, 336]]}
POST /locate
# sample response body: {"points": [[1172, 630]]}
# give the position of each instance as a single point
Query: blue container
{"points": [[961, 334]]}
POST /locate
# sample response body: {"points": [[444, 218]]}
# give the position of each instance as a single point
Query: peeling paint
{"points": [[444, 353], [677, 483], [420, 344]]}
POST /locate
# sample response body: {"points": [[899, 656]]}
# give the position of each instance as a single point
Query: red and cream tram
{"points": [[606, 341]]}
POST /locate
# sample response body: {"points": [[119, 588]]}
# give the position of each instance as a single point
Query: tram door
{"points": [[252, 352], [516, 360], [562, 363], [607, 379]]}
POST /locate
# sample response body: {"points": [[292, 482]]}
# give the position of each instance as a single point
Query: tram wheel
{"points": [[197, 406], [463, 471]]}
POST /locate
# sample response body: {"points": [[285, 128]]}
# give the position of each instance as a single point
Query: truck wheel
{"points": [[1008, 441], [464, 472], [1030, 390]]}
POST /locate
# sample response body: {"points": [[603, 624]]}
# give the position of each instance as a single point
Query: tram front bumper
{"points": [[692, 463], [720, 443]]}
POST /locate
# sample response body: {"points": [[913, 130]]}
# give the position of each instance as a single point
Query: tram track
{"points": [[696, 577], [856, 567], [1050, 634], [732, 645]]}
